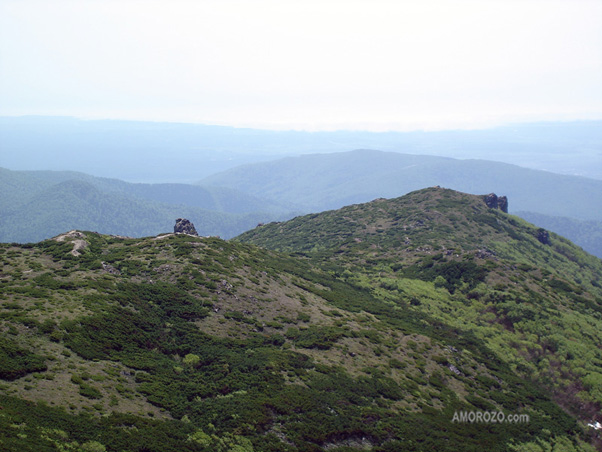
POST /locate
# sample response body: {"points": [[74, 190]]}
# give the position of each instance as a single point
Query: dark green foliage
{"points": [[42, 428], [558, 284], [166, 300], [89, 391], [16, 362], [454, 273], [303, 317], [318, 337], [120, 332], [47, 327], [241, 317], [490, 220], [46, 280], [58, 250]]}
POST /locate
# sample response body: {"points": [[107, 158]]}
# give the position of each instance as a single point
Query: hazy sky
{"points": [[327, 64]]}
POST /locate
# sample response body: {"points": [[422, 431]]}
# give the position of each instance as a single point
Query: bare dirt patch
{"points": [[77, 238]]}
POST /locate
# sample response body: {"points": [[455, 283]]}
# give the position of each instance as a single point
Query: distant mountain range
{"points": [[40, 204], [318, 182], [155, 152], [328, 181]]}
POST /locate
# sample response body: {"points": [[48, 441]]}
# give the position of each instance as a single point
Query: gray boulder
{"points": [[494, 201], [184, 226]]}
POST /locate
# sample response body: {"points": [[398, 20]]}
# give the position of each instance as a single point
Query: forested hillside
{"points": [[329, 181], [37, 205], [389, 319], [314, 183]]}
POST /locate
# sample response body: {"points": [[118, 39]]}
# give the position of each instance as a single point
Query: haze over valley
{"points": [[160, 152]]}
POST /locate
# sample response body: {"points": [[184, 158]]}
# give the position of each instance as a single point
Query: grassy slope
{"points": [[586, 234], [202, 344], [435, 251]]}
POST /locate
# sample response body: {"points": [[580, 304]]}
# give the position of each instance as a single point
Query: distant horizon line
{"points": [[475, 127]]}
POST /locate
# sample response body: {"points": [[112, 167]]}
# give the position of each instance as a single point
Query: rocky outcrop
{"points": [[543, 236], [184, 226], [494, 201], [502, 203], [110, 269]]}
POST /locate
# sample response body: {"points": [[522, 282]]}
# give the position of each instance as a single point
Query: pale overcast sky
{"points": [[304, 64]]}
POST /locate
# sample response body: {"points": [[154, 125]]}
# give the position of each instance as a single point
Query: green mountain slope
{"points": [[328, 181], [181, 343], [586, 234], [38, 205], [532, 297]]}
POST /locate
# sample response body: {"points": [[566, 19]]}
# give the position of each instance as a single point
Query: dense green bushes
{"points": [[452, 274], [239, 386], [26, 426], [321, 338], [16, 362]]}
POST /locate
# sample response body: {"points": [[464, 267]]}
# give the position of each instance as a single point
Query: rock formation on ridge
{"points": [[184, 226], [543, 236], [497, 202]]}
